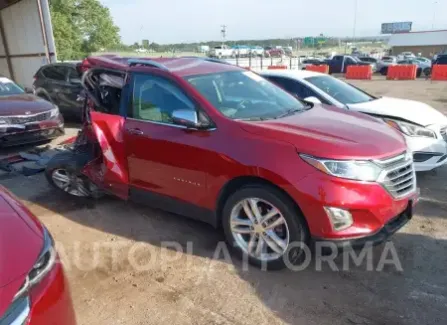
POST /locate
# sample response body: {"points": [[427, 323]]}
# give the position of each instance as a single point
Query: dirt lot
{"points": [[120, 273]]}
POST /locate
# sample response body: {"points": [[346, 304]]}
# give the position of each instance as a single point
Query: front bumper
{"points": [[31, 133], [51, 301], [371, 206], [428, 153], [389, 229]]}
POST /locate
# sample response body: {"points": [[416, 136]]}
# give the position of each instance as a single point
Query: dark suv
{"points": [[60, 83], [441, 59]]}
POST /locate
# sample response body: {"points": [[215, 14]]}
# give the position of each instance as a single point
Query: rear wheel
{"points": [[63, 172], [263, 224]]}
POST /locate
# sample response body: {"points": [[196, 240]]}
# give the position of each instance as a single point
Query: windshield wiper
{"points": [[290, 112], [257, 118]]}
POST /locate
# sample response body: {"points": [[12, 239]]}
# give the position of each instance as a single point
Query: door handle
{"points": [[135, 131]]}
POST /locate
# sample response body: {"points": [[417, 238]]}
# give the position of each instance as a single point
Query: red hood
{"points": [[329, 132], [23, 104], [21, 240]]}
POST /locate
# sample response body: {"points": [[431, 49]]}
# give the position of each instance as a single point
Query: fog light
{"points": [[339, 218]]}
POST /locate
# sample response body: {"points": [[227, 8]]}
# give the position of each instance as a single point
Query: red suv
{"points": [[33, 288], [221, 144]]}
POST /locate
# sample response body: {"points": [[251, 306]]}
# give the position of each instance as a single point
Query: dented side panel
{"points": [[110, 172]]}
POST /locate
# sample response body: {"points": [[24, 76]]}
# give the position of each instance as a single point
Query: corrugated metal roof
{"points": [[419, 38]]}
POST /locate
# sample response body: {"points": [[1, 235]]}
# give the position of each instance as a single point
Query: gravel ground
{"points": [[122, 269]]}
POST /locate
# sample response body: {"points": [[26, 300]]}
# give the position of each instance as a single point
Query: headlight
{"points": [[42, 267], [411, 130], [55, 111], [360, 170]]}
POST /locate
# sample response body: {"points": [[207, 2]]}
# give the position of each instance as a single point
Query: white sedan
{"points": [[424, 128]]}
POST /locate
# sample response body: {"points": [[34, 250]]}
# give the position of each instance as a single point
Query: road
{"points": [[129, 264]]}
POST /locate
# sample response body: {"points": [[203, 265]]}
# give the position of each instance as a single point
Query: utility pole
{"points": [[434, 15], [355, 22], [223, 31]]}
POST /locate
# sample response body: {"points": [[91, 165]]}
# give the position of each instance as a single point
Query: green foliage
{"points": [[81, 27]]}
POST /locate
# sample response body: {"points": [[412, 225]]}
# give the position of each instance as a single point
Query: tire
{"points": [[427, 72], [418, 73], [292, 230], [70, 163]]}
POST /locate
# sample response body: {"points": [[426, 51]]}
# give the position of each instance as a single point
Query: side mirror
{"points": [[186, 117], [312, 99]]}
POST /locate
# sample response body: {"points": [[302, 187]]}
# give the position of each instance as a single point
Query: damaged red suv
{"points": [[220, 144], [33, 288], [25, 118]]}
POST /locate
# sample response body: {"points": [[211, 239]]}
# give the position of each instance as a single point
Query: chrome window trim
{"points": [[170, 124]]}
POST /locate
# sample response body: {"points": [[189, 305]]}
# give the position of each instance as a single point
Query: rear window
{"points": [[55, 73]]}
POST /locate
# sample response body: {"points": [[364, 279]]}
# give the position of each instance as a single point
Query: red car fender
{"points": [[110, 172]]}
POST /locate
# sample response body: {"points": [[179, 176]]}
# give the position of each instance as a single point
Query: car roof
{"points": [[293, 74], [182, 67]]}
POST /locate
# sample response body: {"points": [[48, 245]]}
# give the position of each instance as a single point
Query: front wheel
{"points": [[263, 224]]}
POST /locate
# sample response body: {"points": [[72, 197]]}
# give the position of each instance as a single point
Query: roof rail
{"points": [[149, 63], [208, 59]]}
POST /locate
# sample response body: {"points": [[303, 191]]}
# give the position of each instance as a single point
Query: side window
{"points": [[73, 74], [297, 88], [155, 98], [55, 73], [349, 61]]}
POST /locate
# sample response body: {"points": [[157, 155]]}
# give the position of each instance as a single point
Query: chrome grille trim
{"points": [[17, 313], [398, 176], [23, 119]]}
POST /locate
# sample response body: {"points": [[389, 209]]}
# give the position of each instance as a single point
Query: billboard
{"points": [[393, 28]]}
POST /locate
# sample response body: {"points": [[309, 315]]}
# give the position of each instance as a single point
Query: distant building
{"points": [[427, 43]]}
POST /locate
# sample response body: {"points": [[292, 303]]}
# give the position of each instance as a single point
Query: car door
{"points": [[72, 90], [55, 79], [167, 163]]}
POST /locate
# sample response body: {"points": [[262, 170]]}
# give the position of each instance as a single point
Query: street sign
{"points": [[394, 28]]}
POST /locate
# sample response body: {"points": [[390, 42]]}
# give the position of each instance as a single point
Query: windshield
{"points": [[8, 88], [339, 90], [245, 95]]}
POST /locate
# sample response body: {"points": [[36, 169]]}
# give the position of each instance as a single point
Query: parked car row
{"points": [[225, 51]]}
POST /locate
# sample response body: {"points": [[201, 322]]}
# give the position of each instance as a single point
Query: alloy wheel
{"points": [[259, 229], [68, 182]]}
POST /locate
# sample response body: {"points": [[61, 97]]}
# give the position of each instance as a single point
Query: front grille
{"points": [[17, 313], [398, 177], [443, 132], [23, 119]]}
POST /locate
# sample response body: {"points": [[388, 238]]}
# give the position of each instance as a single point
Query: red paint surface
{"points": [[21, 240], [194, 166]]}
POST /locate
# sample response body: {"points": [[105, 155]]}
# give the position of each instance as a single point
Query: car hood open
{"points": [[24, 104], [405, 109], [21, 240], [334, 133]]}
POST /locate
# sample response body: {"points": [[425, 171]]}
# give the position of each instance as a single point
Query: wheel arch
{"points": [[242, 181]]}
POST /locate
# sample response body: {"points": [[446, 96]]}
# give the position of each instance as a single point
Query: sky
{"points": [[185, 21]]}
